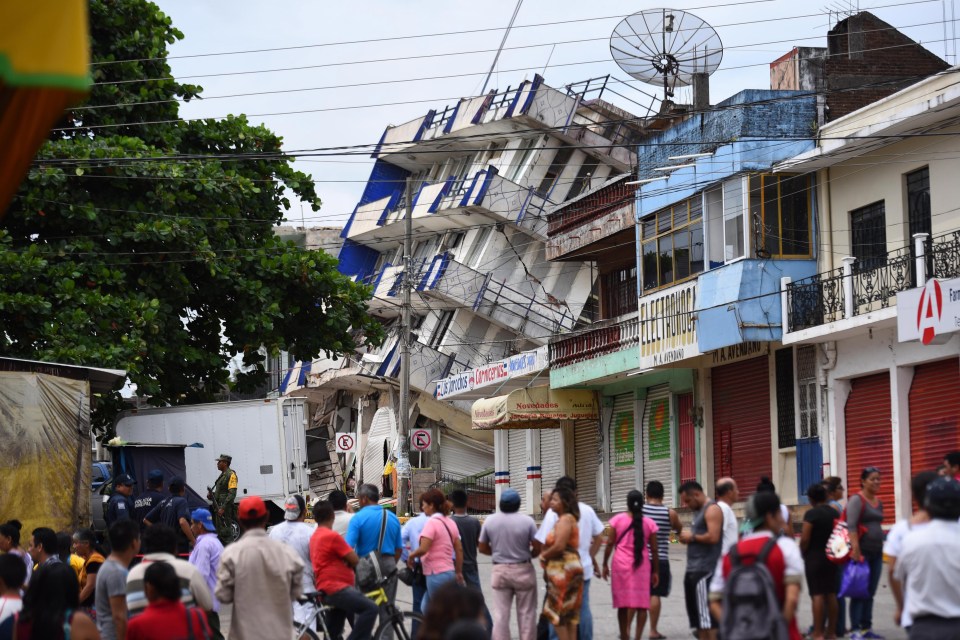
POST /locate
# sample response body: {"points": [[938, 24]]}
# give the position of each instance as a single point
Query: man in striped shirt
{"points": [[160, 542], [667, 522]]}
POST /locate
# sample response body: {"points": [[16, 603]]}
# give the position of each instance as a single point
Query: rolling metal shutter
{"points": [[658, 440], [586, 438], [869, 441], [462, 457], [551, 457], [741, 423], [381, 431], [934, 414], [623, 451], [517, 459]]}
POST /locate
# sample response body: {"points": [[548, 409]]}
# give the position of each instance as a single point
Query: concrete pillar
{"points": [[501, 464], [848, 306], [785, 305], [533, 471], [838, 395], [900, 380], [920, 243]]}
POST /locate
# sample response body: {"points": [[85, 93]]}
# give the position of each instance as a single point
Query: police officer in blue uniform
{"points": [[120, 505]]}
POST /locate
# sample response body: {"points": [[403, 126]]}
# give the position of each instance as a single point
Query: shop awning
{"points": [[44, 69], [534, 408]]}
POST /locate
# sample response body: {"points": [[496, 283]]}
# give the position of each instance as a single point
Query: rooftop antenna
{"points": [[667, 47]]}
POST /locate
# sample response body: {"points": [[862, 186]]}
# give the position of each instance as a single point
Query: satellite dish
{"points": [[666, 46]]}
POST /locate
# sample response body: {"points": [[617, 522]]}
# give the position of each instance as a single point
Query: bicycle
{"points": [[399, 623]]}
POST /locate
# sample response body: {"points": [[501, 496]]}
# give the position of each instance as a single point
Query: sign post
{"points": [[422, 440]]}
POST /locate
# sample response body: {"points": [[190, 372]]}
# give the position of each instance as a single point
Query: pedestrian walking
{"points": [[835, 492], [703, 540], [260, 577], [819, 570], [410, 538], [636, 564], [174, 512], [332, 563], [160, 544], [761, 542], [296, 533], [10, 543], [590, 531], [224, 496], [206, 558], [151, 497], [563, 570], [43, 547], [469, 528], [120, 504], [727, 495], [864, 520], [50, 609], [85, 542], [341, 510], [893, 546], [165, 615], [111, 589], [510, 538], [440, 548], [929, 565], [12, 576], [667, 522], [363, 535]]}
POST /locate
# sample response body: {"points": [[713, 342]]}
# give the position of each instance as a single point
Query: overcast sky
{"points": [[435, 70]]}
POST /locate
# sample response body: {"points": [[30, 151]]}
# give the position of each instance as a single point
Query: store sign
{"points": [[931, 313], [738, 352], [658, 430], [537, 407], [522, 364], [623, 441], [668, 331]]}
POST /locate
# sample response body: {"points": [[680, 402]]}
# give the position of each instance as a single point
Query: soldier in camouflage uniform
{"points": [[224, 495]]}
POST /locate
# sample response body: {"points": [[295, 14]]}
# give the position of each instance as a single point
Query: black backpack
{"points": [[751, 610]]}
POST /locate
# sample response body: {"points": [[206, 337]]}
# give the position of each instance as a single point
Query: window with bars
{"points": [[780, 204], [619, 295], [918, 211], [672, 244], [807, 390], [786, 412], [869, 236]]}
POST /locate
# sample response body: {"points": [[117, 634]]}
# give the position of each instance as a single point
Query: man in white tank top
{"points": [[727, 494]]}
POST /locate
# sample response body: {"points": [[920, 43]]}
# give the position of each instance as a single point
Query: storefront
{"points": [[586, 459], [869, 438], [622, 451], [659, 442], [934, 413]]}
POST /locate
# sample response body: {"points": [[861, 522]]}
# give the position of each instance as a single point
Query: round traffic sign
{"points": [[421, 439], [345, 442]]}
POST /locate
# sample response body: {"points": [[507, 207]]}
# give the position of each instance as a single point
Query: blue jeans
{"points": [[471, 575], [585, 630], [419, 591], [861, 609], [434, 582], [360, 608]]}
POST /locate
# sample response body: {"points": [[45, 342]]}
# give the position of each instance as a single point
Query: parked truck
{"points": [[266, 439]]}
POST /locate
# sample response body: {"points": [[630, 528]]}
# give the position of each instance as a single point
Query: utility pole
{"points": [[403, 460]]}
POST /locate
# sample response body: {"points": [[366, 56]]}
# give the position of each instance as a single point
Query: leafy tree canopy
{"points": [[146, 243]]}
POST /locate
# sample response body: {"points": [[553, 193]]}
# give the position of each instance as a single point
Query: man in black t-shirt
{"points": [[146, 501], [469, 528], [175, 513]]}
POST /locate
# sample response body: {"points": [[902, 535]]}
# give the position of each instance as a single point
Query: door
{"points": [[658, 440], [294, 434], [623, 455], [585, 443], [934, 414], [551, 457], [687, 436], [517, 461], [869, 440], [461, 457], [741, 418]]}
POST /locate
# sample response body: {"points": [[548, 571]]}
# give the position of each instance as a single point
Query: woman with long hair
{"points": [[634, 573], [820, 572], [864, 519], [439, 550], [560, 559], [10, 543], [51, 609]]}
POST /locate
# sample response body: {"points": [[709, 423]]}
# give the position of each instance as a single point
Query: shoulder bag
{"points": [[369, 575]]}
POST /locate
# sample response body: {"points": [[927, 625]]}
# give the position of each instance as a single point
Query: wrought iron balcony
{"points": [[601, 338], [853, 290]]}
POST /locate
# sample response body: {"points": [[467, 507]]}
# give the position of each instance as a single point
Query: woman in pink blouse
{"points": [[440, 551], [634, 571]]}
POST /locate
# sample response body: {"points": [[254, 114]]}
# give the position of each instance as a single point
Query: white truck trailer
{"points": [[266, 439]]}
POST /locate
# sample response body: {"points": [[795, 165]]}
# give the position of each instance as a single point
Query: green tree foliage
{"points": [[156, 252]]}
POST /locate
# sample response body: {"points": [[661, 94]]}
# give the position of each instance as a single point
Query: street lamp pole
{"points": [[403, 460]]}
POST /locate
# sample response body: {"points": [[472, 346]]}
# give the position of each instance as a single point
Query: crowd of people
{"points": [[740, 576]]}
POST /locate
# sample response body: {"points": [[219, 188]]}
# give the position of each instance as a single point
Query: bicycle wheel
{"points": [[304, 634], [400, 626]]}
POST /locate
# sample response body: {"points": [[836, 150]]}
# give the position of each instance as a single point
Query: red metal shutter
{"points": [[741, 423], [870, 437], [688, 438], [934, 414]]}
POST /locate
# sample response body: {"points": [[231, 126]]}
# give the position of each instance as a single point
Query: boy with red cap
{"points": [[260, 576]]}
